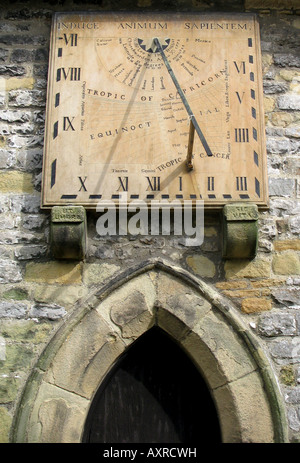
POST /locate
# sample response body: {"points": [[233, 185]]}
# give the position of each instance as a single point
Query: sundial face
{"points": [[116, 122]]}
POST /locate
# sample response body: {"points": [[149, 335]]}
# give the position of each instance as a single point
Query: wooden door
{"points": [[154, 394]]}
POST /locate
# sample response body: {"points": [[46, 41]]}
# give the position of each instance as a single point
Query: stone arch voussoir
{"points": [[59, 392]]}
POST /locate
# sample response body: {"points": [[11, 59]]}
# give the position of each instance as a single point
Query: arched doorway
{"points": [[154, 394], [59, 392]]}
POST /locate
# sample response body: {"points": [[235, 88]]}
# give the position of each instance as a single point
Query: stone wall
{"points": [[37, 293]]}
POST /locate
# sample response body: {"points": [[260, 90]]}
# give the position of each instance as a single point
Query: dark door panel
{"points": [[154, 394]]}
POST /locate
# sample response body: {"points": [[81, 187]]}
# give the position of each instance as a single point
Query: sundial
{"points": [[155, 106]]}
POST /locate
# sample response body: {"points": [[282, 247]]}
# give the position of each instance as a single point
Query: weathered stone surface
{"points": [[277, 145], [287, 375], [283, 245], [201, 265], [27, 331], [18, 357], [289, 101], [26, 98], [12, 309], [31, 252], [288, 297], [269, 104], [25, 203], [9, 387], [286, 350], [50, 311], [130, 308], [60, 411], [255, 419], [256, 304], [286, 263], [257, 268], [60, 295], [133, 306], [281, 186], [17, 294], [293, 395], [5, 419], [277, 324], [15, 182], [15, 83], [54, 272], [294, 418], [10, 272], [86, 357], [12, 70], [94, 274], [187, 309], [287, 59]]}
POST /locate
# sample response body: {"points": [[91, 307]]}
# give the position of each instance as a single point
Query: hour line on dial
{"points": [[193, 123]]}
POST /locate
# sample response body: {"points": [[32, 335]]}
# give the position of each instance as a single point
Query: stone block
{"points": [[18, 357], [25, 203], [95, 274], [5, 423], [286, 263], [128, 310], [24, 98], [294, 418], [26, 331], [284, 245], [63, 273], [289, 74], [281, 119], [187, 309], [257, 268], [242, 293], [9, 272], [286, 350], [289, 101], [201, 265], [256, 304], [271, 87], [9, 388], [10, 309], [30, 252], [287, 59], [287, 296], [64, 296], [12, 70], [67, 424], [47, 311], [281, 187], [278, 145], [277, 324], [15, 182], [269, 104], [254, 409], [17, 294], [15, 83], [86, 356]]}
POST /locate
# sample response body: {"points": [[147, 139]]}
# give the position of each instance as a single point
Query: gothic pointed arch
{"points": [[59, 392]]}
